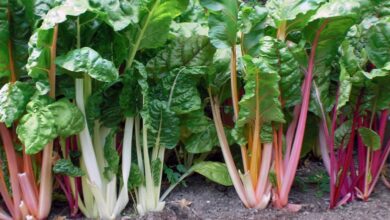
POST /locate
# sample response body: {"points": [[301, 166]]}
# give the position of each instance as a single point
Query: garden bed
{"points": [[203, 199]]}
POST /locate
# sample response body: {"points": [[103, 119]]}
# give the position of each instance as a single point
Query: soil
{"points": [[205, 200], [202, 199]]}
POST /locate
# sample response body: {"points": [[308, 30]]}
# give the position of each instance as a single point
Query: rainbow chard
{"points": [[359, 113]]}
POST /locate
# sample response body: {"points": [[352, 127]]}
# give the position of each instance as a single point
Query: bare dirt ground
{"points": [[202, 199]]}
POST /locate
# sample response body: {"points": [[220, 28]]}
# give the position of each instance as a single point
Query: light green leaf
{"points": [[89, 61], [69, 119], [13, 100], [370, 138], [36, 128], [222, 22], [66, 167], [288, 10], [214, 171], [58, 14]]}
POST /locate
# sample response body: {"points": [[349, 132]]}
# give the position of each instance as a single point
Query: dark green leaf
{"points": [[111, 155], [13, 100], [66, 167], [156, 171], [379, 43]]}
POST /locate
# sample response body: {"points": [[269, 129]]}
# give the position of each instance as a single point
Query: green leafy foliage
{"points": [[66, 167], [68, 118], [261, 90], [378, 42], [45, 120], [287, 10], [13, 100], [135, 179], [157, 166], [111, 155], [370, 138], [190, 52], [222, 22], [86, 60], [214, 171]]}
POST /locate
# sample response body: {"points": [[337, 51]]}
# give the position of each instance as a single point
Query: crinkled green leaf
{"points": [[151, 31], [89, 61], [66, 167], [203, 141], [13, 100], [336, 17], [5, 38], [342, 134], [193, 51], [223, 22], [118, 14], [59, 13], [156, 171], [111, 155], [163, 124], [370, 138], [379, 43], [69, 119], [261, 89], [136, 178], [252, 24], [36, 128], [214, 171]]}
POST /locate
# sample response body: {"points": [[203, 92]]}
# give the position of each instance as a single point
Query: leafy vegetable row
{"points": [[112, 96]]}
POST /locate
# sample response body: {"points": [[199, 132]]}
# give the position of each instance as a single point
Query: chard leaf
{"points": [[163, 125], [118, 14], [151, 31], [261, 89], [59, 13], [370, 138], [130, 99], [192, 51], [252, 19], [36, 128], [203, 141], [180, 87], [337, 17], [89, 61], [290, 10], [5, 59], [379, 43], [69, 119], [66, 167], [222, 21], [342, 134], [156, 171], [13, 100], [111, 155], [214, 171], [136, 178], [349, 66]]}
